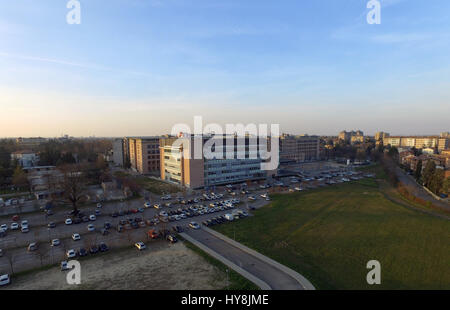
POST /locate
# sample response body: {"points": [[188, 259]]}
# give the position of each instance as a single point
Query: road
{"points": [[274, 277], [418, 191]]}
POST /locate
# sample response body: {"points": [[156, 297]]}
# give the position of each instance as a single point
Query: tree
{"points": [[418, 172], [5, 158], [446, 186], [393, 153], [74, 183], [428, 172], [361, 155], [20, 178], [436, 181]]}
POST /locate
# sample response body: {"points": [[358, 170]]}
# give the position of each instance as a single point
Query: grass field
{"points": [[330, 234]]}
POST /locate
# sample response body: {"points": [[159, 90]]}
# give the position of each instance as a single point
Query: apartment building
{"points": [[144, 155], [235, 163], [418, 142], [299, 148], [379, 136], [352, 136], [118, 152]]}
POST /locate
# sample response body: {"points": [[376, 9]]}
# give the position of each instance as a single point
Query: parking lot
{"points": [[123, 223]]}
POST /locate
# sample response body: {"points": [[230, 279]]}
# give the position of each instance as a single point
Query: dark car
{"points": [[121, 213], [138, 219], [135, 225], [85, 219], [51, 225], [82, 252], [107, 225], [103, 247], [77, 221], [49, 212], [119, 228], [104, 231], [93, 249], [115, 214], [205, 223], [122, 222]]}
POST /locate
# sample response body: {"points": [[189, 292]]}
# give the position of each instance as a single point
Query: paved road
{"points": [[418, 191], [275, 278]]}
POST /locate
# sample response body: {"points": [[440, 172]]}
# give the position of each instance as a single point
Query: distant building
{"points": [[118, 154], [299, 148], [144, 154], [352, 136], [30, 142], [379, 136], [418, 142], [25, 158]]}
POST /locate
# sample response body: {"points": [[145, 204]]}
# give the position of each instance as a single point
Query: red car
{"points": [[15, 218], [134, 211], [152, 234]]}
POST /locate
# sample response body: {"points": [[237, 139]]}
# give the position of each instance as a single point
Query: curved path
{"points": [[261, 270]]}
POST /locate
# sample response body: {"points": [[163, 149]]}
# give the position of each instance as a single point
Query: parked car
{"points": [[82, 252], [76, 237], [4, 279], [64, 265], [103, 247], [14, 226], [194, 225], [140, 246], [92, 217], [172, 239], [91, 227], [68, 222], [71, 253], [152, 234], [147, 205], [55, 242], [51, 225], [93, 249], [99, 205]]}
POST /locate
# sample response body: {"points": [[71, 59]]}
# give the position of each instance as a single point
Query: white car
{"points": [[91, 227], [71, 253], [24, 229], [4, 227], [24, 223], [92, 217], [140, 246], [194, 225], [4, 279], [76, 237], [14, 226], [55, 242], [64, 266], [147, 205], [99, 205], [163, 213], [68, 222]]}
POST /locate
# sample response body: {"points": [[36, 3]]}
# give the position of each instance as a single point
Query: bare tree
{"points": [[74, 183]]}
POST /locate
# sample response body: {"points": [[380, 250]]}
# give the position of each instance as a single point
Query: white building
{"points": [[25, 158]]}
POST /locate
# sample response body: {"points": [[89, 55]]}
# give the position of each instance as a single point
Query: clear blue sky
{"points": [[137, 67]]}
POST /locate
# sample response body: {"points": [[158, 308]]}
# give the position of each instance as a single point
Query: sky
{"points": [[138, 67]]}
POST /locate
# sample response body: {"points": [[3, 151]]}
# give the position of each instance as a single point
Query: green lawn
{"points": [[156, 186], [329, 235]]}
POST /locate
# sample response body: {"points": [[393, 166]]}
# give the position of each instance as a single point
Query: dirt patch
{"points": [[163, 267]]}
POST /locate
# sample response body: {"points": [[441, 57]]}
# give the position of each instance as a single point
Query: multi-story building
{"points": [[25, 158], [144, 154], [418, 142], [238, 161], [379, 136], [118, 153], [352, 136], [299, 148]]}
